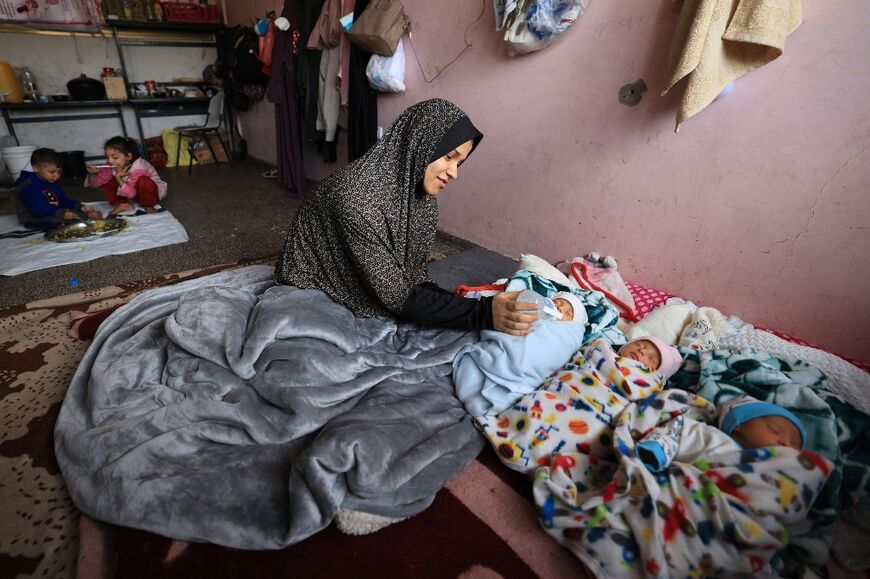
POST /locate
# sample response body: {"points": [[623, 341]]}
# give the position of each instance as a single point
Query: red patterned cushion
{"points": [[646, 299]]}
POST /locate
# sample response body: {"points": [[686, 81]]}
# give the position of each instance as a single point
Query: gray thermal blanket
{"points": [[230, 410]]}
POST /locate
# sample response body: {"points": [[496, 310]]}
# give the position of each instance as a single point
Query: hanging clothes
{"points": [[326, 36], [344, 61], [718, 41], [362, 114], [308, 67], [327, 30], [330, 96], [282, 92]]}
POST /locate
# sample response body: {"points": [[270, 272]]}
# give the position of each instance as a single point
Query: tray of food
{"points": [[87, 230]]}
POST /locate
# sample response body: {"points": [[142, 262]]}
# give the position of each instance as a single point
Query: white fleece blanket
{"points": [[23, 254], [687, 325]]}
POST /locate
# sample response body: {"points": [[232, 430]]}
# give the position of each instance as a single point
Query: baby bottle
{"points": [[28, 84], [546, 307]]}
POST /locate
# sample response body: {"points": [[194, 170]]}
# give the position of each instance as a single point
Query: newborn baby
{"points": [[744, 422], [492, 374], [654, 354], [576, 408]]}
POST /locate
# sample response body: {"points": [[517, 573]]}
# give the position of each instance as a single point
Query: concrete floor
{"points": [[230, 213]]}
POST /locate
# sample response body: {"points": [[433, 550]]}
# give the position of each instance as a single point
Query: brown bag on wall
{"points": [[379, 27]]}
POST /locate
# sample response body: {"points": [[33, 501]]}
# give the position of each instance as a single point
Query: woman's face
{"points": [[442, 171]]}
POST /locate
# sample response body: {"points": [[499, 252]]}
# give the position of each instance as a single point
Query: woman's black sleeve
{"points": [[429, 305]]}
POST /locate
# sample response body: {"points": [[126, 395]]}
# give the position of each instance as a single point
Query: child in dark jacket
{"points": [[41, 202]]}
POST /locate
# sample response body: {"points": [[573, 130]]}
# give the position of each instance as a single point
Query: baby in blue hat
{"points": [[753, 424], [744, 422]]}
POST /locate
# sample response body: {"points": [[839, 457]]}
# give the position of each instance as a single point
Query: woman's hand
{"points": [[121, 173], [508, 314]]}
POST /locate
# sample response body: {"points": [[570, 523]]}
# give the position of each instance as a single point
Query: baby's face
{"points": [[565, 308], [767, 431], [644, 352]]}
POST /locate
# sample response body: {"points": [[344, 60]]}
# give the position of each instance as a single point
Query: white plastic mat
{"points": [[23, 254]]}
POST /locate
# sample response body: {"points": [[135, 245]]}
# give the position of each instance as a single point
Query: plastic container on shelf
{"points": [[190, 13], [546, 307], [28, 84], [9, 84], [17, 158], [157, 11]]}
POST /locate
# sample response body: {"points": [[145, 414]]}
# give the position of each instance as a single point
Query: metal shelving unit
{"points": [[161, 107], [124, 34], [52, 117]]}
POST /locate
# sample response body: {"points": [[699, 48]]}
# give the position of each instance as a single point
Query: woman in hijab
{"points": [[363, 234]]}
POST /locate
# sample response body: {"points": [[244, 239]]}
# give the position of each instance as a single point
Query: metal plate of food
{"points": [[87, 230]]}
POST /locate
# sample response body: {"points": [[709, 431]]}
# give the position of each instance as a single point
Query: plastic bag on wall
{"points": [[531, 25], [387, 73]]}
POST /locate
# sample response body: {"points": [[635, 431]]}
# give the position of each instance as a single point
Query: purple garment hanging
{"points": [[362, 114], [282, 92]]}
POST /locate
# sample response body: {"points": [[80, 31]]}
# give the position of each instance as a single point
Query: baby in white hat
{"points": [[569, 306], [492, 374]]}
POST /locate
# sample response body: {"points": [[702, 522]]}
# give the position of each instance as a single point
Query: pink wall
{"points": [[257, 125], [759, 206]]}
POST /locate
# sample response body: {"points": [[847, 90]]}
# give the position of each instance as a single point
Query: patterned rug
{"points": [[39, 535], [43, 535]]}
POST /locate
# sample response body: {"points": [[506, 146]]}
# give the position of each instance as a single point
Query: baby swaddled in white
{"points": [[492, 374]]}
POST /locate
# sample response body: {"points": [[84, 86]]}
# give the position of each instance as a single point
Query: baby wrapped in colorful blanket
{"points": [[576, 407], [727, 513], [718, 509], [744, 422]]}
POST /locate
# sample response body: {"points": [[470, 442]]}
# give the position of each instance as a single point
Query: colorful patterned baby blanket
{"points": [[835, 430], [724, 515]]}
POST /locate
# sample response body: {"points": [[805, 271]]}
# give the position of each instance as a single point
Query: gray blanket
{"points": [[229, 410]]}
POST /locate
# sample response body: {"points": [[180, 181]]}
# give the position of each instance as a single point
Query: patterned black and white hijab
{"points": [[364, 233]]}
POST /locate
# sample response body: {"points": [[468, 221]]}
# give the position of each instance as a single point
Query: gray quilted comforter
{"points": [[233, 411]]}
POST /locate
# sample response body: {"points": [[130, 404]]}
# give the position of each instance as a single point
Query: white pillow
{"points": [[665, 322], [543, 268]]}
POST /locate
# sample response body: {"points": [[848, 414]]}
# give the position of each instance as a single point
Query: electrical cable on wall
{"points": [[78, 53], [458, 56]]}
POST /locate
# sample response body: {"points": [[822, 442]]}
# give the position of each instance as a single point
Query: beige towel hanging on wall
{"points": [[718, 41]]}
